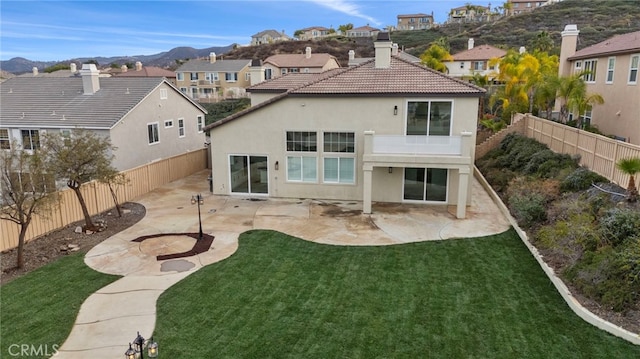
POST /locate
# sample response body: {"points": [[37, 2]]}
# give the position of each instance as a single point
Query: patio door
{"points": [[425, 184], [249, 174]]}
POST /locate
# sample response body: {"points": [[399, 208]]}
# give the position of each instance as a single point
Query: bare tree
{"points": [[79, 158], [114, 181], [27, 190]]}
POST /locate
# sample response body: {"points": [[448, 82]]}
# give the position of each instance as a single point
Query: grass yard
{"points": [[40, 307], [282, 297]]}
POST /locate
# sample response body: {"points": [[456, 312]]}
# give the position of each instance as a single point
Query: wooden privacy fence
{"points": [[142, 180], [597, 153]]}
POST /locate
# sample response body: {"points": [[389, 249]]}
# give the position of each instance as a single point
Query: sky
{"points": [[60, 30]]}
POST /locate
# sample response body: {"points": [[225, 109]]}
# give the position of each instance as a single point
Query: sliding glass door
{"points": [[249, 174], [425, 184]]}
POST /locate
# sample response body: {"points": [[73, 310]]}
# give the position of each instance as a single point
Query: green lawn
{"points": [[282, 297], [40, 308]]}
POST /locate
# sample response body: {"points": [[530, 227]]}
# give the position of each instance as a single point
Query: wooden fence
{"points": [[597, 153], [142, 180]]}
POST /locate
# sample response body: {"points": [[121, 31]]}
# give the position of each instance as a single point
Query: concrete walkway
{"points": [[110, 318]]}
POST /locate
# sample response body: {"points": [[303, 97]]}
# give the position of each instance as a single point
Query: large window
{"points": [[30, 139], [154, 136], [231, 76], [5, 142], [200, 123], [302, 168], [425, 184], [590, 70], [633, 69], [611, 64], [181, 127], [429, 118], [249, 174], [211, 77], [339, 157]]}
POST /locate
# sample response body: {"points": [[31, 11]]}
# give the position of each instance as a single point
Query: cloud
{"points": [[346, 7]]}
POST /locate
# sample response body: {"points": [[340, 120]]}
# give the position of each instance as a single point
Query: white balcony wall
{"points": [[417, 145]]}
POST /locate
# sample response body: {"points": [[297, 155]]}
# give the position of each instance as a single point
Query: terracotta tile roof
{"points": [[300, 60], [272, 33], [413, 15], [401, 78], [218, 66], [619, 44], [148, 71], [481, 52]]}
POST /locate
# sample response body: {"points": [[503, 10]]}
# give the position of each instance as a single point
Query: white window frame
{"points": [[340, 156], [164, 94], [5, 139], [611, 65], [590, 66], [231, 76], [212, 77], [633, 70], [192, 77], [302, 178], [429, 101], [301, 155], [200, 123], [578, 64], [181, 132], [31, 141], [168, 123], [150, 127], [180, 76]]}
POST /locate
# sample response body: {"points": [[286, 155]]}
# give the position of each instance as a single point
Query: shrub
{"points": [[569, 238], [528, 209], [499, 178], [547, 188], [619, 224], [580, 180]]}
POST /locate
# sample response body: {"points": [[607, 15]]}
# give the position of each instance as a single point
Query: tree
{"points": [[27, 190], [630, 166], [79, 158], [543, 42], [344, 28], [298, 33], [115, 180], [434, 58]]}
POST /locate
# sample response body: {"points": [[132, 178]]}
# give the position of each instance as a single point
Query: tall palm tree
{"points": [[630, 166], [434, 58]]}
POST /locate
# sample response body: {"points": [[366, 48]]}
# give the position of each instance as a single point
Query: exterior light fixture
{"points": [[200, 201], [277, 165], [390, 169], [395, 110], [136, 348]]}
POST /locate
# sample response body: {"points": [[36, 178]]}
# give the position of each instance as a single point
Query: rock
{"points": [[74, 249], [73, 246], [78, 229], [126, 211], [64, 248], [88, 232]]}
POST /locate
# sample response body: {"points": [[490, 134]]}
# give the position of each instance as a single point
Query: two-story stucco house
{"points": [[213, 79], [415, 21], [268, 37], [474, 60], [387, 130], [314, 32], [612, 67], [363, 31], [469, 13], [147, 118], [282, 64], [147, 71]]}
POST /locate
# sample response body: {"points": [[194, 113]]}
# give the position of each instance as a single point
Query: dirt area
{"points": [[61, 242]]}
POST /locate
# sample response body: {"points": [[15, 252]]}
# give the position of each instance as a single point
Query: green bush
{"points": [[569, 238], [580, 180], [499, 178], [620, 224], [528, 209], [548, 164]]}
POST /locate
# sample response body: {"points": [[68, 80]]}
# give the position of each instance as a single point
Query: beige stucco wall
{"points": [[620, 114], [131, 138], [263, 132]]}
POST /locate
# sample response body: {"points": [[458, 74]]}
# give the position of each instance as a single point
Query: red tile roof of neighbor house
{"points": [[481, 52], [147, 71], [400, 78], [625, 43], [300, 60]]}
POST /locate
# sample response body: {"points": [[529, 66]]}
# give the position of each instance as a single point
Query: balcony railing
{"points": [[417, 145]]}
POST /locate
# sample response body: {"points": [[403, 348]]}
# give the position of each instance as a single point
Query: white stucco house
{"points": [[386, 130], [146, 118]]}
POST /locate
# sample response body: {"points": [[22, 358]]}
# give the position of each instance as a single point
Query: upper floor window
{"points": [[154, 135], [590, 70], [168, 123], [231, 76], [5, 142], [200, 123], [179, 76], [267, 74], [633, 69], [283, 71], [302, 141], [339, 142], [183, 90], [611, 64], [194, 76], [30, 139], [294, 70], [478, 65], [163, 94], [247, 76], [181, 127], [211, 77], [429, 118]]}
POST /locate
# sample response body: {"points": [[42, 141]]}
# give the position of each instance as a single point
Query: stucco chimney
{"points": [[138, 66], [212, 57], [383, 50], [567, 48], [470, 43], [256, 72], [352, 55], [72, 68], [35, 71], [394, 49], [124, 68], [307, 52], [522, 49], [90, 79]]}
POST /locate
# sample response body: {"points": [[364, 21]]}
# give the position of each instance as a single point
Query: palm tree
{"points": [[630, 166], [434, 58]]}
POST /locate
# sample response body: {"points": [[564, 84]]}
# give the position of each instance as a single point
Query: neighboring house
{"points": [[415, 22], [387, 130], [612, 67], [311, 33], [282, 64], [469, 13], [363, 31], [268, 37], [353, 60], [474, 60], [147, 119], [523, 6], [213, 80], [147, 71]]}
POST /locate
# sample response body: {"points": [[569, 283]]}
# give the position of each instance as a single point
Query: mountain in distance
{"points": [[19, 65]]}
